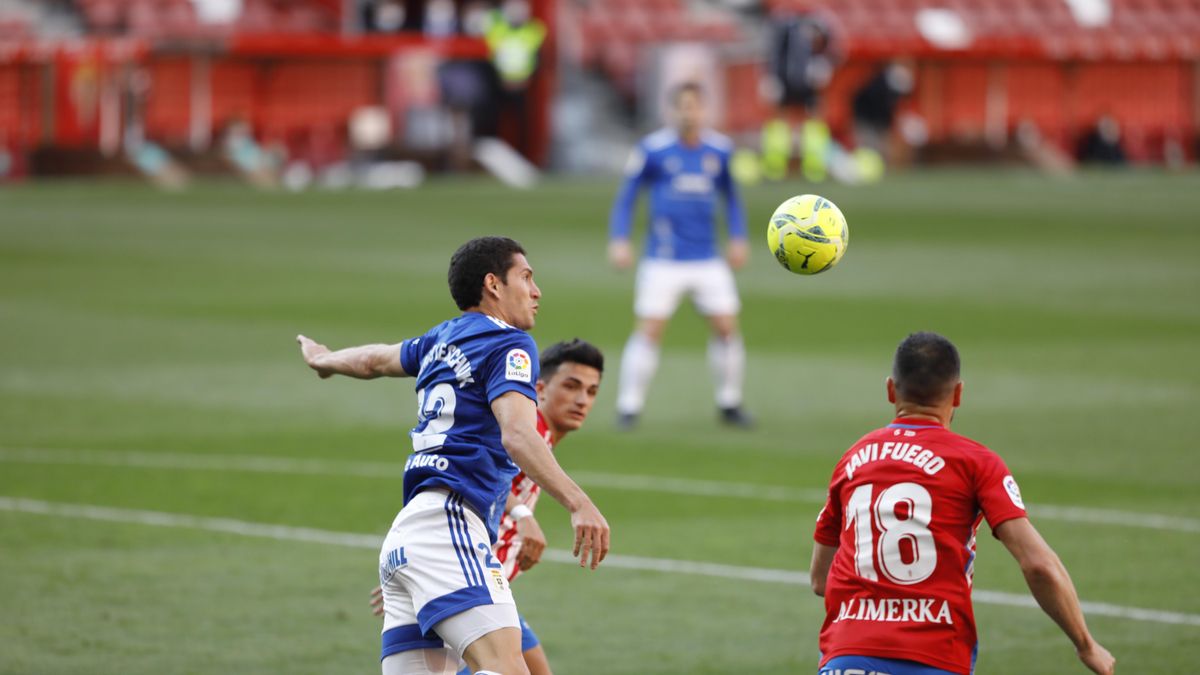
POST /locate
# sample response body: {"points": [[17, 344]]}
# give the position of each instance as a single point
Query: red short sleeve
{"points": [[999, 495], [829, 520]]}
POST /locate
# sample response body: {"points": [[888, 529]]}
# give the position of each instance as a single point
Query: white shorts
{"points": [[661, 284], [436, 563]]}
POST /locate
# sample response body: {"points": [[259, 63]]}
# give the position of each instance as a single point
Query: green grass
{"points": [[135, 320]]}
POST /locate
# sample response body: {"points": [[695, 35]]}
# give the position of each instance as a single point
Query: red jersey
{"points": [[904, 505], [508, 544]]}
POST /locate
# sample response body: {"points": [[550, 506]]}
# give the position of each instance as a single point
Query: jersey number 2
{"points": [[906, 550], [435, 411]]}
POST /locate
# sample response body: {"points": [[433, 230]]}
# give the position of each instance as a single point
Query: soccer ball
{"points": [[808, 234]]}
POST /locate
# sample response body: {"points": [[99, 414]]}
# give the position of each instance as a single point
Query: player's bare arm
{"points": [[365, 363], [737, 253], [517, 416], [533, 540], [1051, 585], [620, 254], [818, 570]]}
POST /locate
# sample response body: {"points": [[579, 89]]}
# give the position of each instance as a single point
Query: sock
{"points": [[638, 363], [727, 359]]}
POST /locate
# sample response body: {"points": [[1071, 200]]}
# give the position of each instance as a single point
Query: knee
{"points": [[725, 327], [652, 330]]}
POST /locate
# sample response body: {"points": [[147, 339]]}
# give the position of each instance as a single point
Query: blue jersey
{"points": [[683, 181], [461, 366]]}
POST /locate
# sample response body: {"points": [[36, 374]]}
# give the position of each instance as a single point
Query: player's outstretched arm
{"points": [[818, 570], [1051, 585], [517, 415], [366, 362]]}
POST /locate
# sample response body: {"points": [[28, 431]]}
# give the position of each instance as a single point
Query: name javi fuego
{"points": [[910, 453]]}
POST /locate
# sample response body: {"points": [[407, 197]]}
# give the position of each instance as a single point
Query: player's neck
{"points": [[487, 309], [689, 137], [556, 434], [925, 414]]}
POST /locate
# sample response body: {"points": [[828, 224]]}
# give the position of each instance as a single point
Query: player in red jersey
{"points": [[568, 381], [895, 543]]}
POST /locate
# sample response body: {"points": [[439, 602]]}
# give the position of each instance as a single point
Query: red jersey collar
{"points": [[913, 423]]}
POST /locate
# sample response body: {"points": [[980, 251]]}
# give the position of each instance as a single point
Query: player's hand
{"points": [[620, 254], [1097, 659], [377, 601], [533, 542], [591, 534], [738, 253], [311, 351]]}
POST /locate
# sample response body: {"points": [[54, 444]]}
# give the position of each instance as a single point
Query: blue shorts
{"points": [[529, 640], [873, 665]]}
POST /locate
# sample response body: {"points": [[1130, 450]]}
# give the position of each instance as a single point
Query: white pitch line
{"points": [[372, 542], [613, 481]]}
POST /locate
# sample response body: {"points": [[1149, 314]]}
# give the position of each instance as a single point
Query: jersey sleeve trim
{"points": [[409, 357], [1004, 519], [506, 387], [820, 537]]}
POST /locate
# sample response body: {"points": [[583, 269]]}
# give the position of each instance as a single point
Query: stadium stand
{"points": [[180, 18], [285, 67]]}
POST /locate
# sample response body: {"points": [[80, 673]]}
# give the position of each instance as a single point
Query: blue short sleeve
{"points": [[512, 365], [410, 355]]}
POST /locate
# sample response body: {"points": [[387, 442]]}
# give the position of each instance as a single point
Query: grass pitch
{"points": [[135, 321]]}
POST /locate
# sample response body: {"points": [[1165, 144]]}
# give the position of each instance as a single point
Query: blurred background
{"points": [[381, 92], [185, 185]]}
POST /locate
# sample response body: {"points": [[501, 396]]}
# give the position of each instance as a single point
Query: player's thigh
{"points": [[439, 557], [421, 662], [401, 630], [488, 637], [659, 288], [536, 662], [714, 289]]}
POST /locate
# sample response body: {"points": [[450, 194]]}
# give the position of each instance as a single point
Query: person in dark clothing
{"points": [[875, 105]]}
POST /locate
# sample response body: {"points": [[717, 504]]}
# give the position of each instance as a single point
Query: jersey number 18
{"points": [[906, 551]]}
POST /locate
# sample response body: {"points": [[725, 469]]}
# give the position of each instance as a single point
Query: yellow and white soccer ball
{"points": [[808, 234]]}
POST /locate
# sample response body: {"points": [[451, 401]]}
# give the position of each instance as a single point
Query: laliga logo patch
{"points": [[518, 367], [1014, 492]]}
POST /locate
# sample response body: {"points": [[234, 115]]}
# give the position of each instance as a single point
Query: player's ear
{"points": [[891, 389], [958, 393], [491, 284], [540, 387]]}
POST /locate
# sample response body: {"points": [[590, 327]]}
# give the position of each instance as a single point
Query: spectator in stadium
{"points": [[801, 57], [514, 38], [875, 105], [1102, 145], [383, 16], [441, 19]]}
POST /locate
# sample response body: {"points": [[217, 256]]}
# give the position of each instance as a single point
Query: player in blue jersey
{"points": [[476, 428], [685, 168]]}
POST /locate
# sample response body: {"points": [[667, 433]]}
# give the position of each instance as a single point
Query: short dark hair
{"points": [[570, 351], [473, 261], [687, 87], [926, 368]]}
